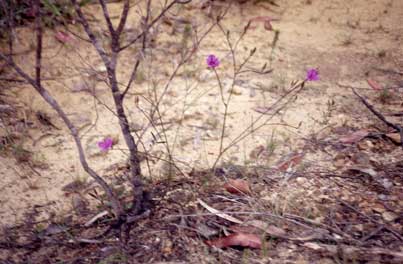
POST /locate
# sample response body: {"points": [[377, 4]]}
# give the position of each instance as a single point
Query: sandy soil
{"points": [[348, 41]]}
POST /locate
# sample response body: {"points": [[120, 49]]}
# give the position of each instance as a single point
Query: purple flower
{"points": [[312, 75], [105, 144], [212, 61]]}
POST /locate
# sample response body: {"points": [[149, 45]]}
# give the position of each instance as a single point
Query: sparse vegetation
{"points": [[152, 131]]}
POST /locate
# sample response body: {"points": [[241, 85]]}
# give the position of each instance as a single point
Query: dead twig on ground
{"points": [[357, 253], [397, 127], [388, 228]]}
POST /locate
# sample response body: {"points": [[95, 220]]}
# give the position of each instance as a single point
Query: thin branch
{"points": [[73, 130], [141, 53], [107, 18], [38, 29], [91, 35], [123, 18], [153, 22], [132, 78]]}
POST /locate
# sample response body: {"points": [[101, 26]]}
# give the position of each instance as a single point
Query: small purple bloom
{"points": [[105, 144], [312, 75], [212, 61]]}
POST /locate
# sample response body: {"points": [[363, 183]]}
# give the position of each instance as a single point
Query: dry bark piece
{"points": [[269, 229], [354, 137], [290, 161], [374, 85], [237, 186], [237, 239]]}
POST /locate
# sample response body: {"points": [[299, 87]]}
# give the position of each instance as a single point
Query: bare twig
{"points": [[357, 253], [107, 18], [153, 22], [380, 116], [38, 29], [390, 229]]}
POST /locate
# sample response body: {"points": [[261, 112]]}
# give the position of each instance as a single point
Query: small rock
{"points": [[341, 120], [212, 121], [386, 183], [101, 68], [236, 91], [205, 75], [134, 127], [359, 227], [340, 163], [80, 86], [167, 246], [54, 229], [383, 197], [52, 141], [206, 231], [5, 108], [79, 204], [92, 147], [301, 180], [252, 92], [81, 120]]}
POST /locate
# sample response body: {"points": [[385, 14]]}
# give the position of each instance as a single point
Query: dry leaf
{"points": [[267, 25], [63, 37], [237, 186], [218, 213], [374, 85], [354, 137], [265, 19], [256, 227], [269, 229], [263, 110], [238, 239], [395, 137], [290, 161], [245, 229], [255, 153]]}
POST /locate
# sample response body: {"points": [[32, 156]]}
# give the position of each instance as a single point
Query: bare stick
{"points": [[380, 116]]}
